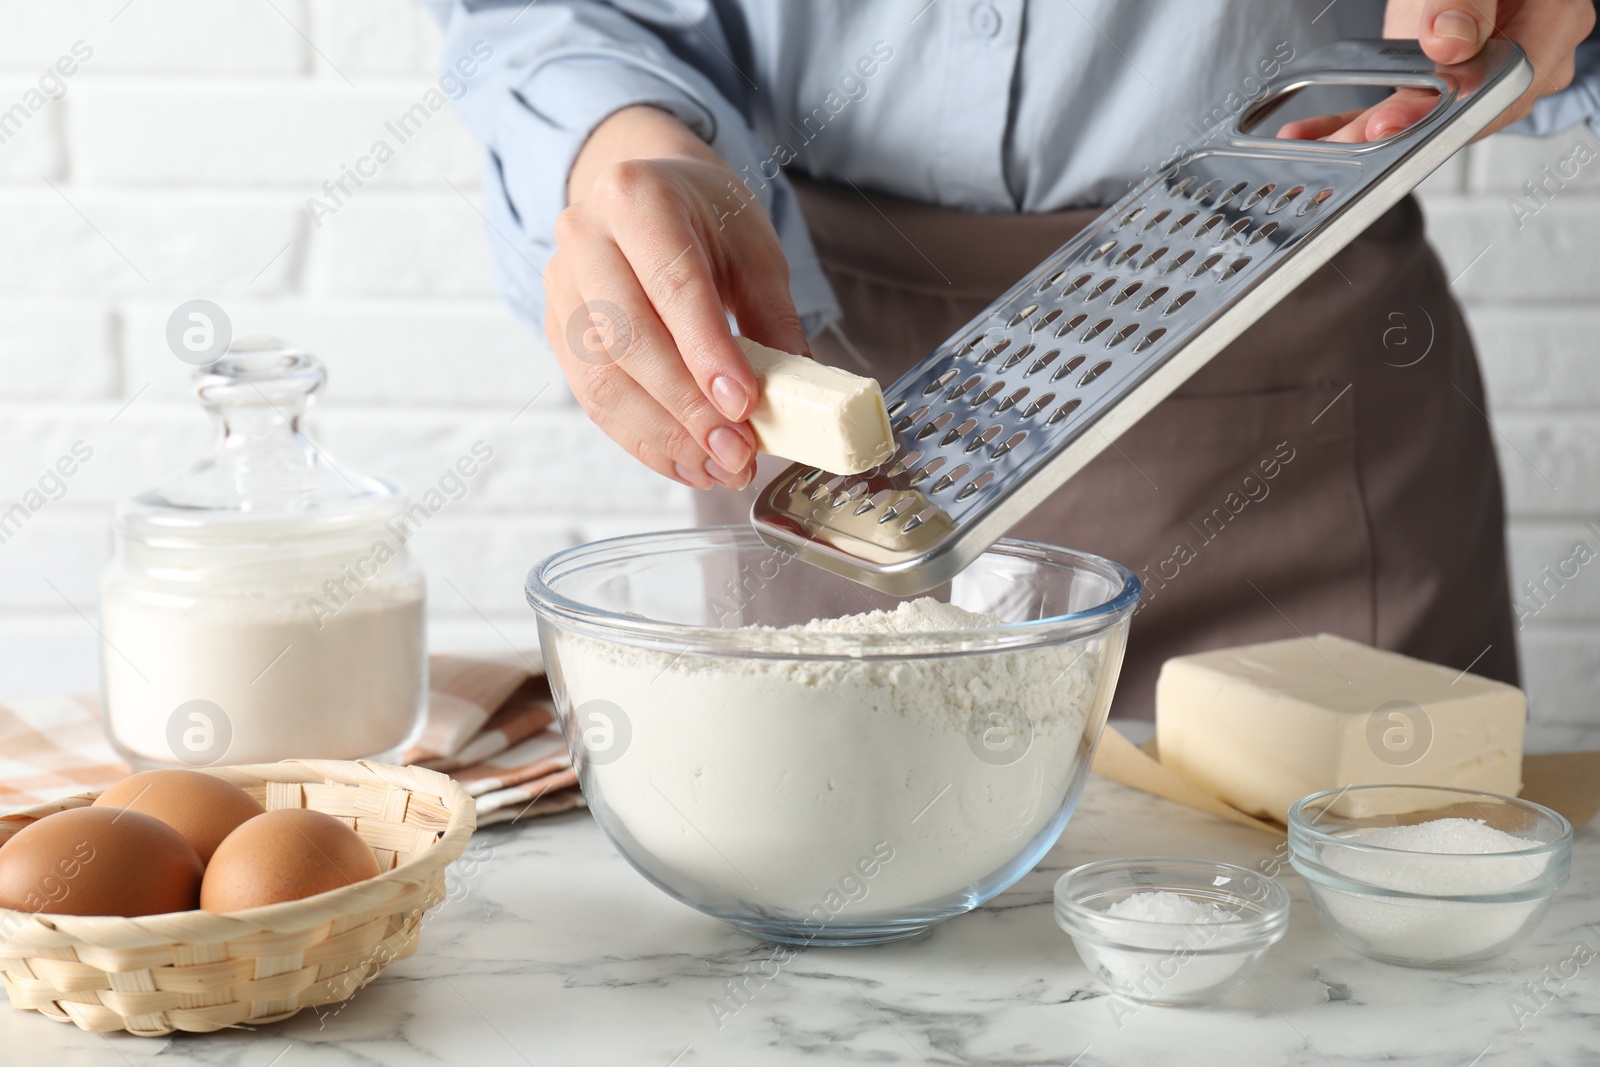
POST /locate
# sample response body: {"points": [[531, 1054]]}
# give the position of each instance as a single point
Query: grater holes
{"points": [[1206, 190], [1067, 368], [982, 439], [988, 394], [1038, 405], [1238, 227], [964, 388], [1011, 401], [970, 344], [934, 426], [904, 463], [1260, 194], [1178, 301], [1094, 372], [892, 511], [1042, 362], [1000, 346], [1008, 444], [1055, 313], [1126, 254], [1177, 263], [1024, 313], [1126, 293], [1094, 331], [1206, 264], [911, 420], [925, 515], [896, 408], [850, 493], [976, 484], [927, 470], [1132, 216], [1011, 361], [1284, 198], [1077, 283], [1314, 203], [1207, 226], [1098, 291], [1232, 191], [1123, 334], [1063, 411], [1265, 231], [1048, 282], [1183, 220], [1152, 257], [1234, 268], [880, 497], [952, 436], [1150, 338], [946, 481], [940, 382], [1151, 297], [1102, 251], [1181, 187], [1156, 220], [1072, 324]]}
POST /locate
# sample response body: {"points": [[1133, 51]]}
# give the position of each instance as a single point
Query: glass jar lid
{"points": [[265, 480]]}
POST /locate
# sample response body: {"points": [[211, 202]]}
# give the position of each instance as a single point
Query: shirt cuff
{"points": [[541, 131]]}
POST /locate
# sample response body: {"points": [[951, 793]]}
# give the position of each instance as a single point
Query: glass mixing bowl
{"points": [[815, 787]]}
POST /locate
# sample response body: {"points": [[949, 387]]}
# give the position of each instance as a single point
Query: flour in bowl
{"points": [[760, 782]]}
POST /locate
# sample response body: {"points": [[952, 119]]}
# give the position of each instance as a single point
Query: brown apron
{"points": [[1330, 471]]}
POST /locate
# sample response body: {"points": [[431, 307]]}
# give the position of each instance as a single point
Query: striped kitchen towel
{"points": [[490, 726]]}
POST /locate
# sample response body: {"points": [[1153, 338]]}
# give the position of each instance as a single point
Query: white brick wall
{"points": [[178, 163]]}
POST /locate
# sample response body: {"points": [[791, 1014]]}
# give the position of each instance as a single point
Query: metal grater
{"points": [[1029, 391]]}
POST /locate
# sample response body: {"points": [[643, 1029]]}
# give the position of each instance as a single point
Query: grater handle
{"points": [[1398, 64]]}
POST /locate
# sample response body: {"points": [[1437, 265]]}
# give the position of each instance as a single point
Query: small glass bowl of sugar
{"points": [[1429, 876], [1170, 931]]}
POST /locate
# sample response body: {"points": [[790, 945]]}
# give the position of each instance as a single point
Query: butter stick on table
{"points": [[815, 414]]}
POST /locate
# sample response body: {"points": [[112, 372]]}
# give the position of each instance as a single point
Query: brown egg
{"points": [[201, 807], [284, 855], [99, 861]]}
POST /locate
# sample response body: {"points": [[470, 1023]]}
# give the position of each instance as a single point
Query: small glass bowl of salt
{"points": [[1170, 931], [1429, 876]]}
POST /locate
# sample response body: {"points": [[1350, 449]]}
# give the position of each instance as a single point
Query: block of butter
{"points": [[815, 414], [1263, 725]]}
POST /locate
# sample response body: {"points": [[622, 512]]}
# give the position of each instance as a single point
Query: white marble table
{"points": [[553, 951]]}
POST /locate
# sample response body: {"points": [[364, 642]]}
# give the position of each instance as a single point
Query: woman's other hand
{"points": [[1453, 31]]}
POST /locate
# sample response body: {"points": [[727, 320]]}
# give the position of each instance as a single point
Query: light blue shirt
{"points": [[986, 105]]}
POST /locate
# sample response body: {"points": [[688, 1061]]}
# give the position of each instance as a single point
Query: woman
{"points": [[855, 181]]}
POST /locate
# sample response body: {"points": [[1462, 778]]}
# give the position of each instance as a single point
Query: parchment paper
{"points": [[1568, 782]]}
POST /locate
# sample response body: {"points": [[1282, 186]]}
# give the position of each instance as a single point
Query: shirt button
{"points": [[985, 19]]}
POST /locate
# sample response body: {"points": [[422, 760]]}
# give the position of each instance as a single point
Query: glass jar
{"points": [[261, 605]]}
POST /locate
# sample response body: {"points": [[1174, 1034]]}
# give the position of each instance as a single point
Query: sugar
{"points": [[1442, 857], [1420, 868]]}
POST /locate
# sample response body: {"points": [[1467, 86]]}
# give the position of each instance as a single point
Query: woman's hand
{"points": [[1453, 31], [660, 242]]}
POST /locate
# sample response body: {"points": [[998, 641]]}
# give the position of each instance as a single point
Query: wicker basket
{"points": [[193, 970]]}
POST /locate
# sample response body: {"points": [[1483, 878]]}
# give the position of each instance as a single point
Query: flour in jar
{"points": [[346, 685], [754, 778]]}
